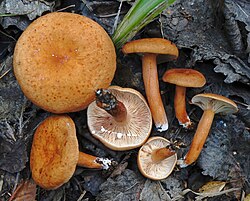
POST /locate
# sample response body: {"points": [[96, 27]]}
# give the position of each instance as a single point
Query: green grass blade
{"points": [[140, 14]]}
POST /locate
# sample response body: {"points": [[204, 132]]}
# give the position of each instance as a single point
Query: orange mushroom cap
{"points": [[152, 45], [125, 135], [61, 59], [184, 77], [54, 153]]}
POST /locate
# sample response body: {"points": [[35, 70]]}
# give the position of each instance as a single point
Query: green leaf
{"points": [[139, 15]]}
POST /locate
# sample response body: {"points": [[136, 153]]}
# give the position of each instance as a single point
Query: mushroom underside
{"points": [[154, 170], [128, 134]]}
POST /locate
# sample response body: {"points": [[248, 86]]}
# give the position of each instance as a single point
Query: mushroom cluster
{"points": [[182, 78], [62, 73]]}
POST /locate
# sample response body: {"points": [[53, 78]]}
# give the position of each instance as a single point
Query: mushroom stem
{"points": [[200, 137], [159, 155], [89, 161], [180, 106], [107, 101], [151, 84]]}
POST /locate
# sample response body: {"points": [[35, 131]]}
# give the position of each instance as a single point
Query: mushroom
{"points": [[120, 118], [211, 104], [156, 160], [183, 78], [151, 48], [61, 59], [55, 154]]}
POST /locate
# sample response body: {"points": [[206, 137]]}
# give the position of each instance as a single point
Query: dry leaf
{"points": [[247, 198], [212, 187], [26, 190]]}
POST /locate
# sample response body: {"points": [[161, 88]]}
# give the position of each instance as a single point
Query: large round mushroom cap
{"points": [[54, 152], [125, 135], [152, 45], [61, 59], [184, 77], [148, 167], [215, 102]]}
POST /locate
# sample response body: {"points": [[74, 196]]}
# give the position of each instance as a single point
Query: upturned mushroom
{"points": [[156, 160], [150, 48], [55, 153], [120, 118], [61, 59], [183, 78], [211, 104]]}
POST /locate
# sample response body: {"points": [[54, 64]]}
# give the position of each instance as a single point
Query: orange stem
{"points": [[180, 106], [159, 155], [151, 84], [88, 161], [200, 137]]}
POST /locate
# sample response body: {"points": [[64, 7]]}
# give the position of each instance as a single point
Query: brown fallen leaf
{"points": [[212, 187], [247, 198], [26, 190]]}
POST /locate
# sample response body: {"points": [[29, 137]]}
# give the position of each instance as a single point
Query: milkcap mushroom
{"points": [[150, 48], [183, 78], [211, 104], [61, 59], [156, 160], [55, 154], [120, 118]]}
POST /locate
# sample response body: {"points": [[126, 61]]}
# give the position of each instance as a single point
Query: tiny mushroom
{"points": [[151, 48], [61, 59], [156, 160], [120, 118], [183, 78], [54, 153], [211, 104]]}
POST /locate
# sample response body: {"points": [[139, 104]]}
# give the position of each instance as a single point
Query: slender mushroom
{"points": [[156, 160], [211, 104], [61, 59], [120, 118], [151, 48], [55, 154], [183, 78]]}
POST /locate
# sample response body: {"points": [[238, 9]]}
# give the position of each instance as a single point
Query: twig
{"points": [[16, 182], [81, 196], [1, 183], [117, 18], [9, 36], [5, 73], [65, 8]]}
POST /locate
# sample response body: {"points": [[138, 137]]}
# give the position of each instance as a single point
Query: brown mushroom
{"points": [[211, 104], [61, 59], [55, 154], [155, 159], [151, 48], [183, 78], [120, 118]]}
